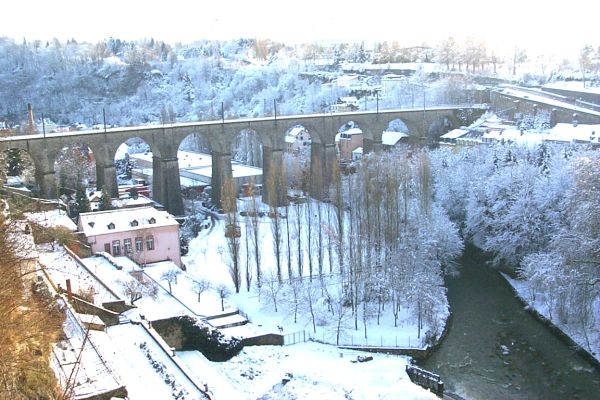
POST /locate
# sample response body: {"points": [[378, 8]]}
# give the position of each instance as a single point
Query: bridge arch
{"points": [[133, 158], [75, 167]]}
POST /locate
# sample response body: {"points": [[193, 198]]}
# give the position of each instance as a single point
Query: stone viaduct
{"points": [[164, 141], [523, 101]]}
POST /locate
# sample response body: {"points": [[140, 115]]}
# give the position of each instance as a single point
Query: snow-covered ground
{"points": [[316, 371], [208, 258], [138, 359]]}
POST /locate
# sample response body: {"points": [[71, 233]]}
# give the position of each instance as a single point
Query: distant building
{"points": [[345, 104], [195, 170], [349, 141], [350, 82], [391, 139], [357, 154], [143, 234], [574, 133], [297, 139]]}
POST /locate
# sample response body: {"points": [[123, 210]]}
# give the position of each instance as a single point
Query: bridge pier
{"points": [[106, 177], [46, 181], [322, 160], [221, 173], [274, 182], [166, 187]]}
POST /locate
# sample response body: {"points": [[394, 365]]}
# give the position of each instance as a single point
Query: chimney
{"points": [[69, 291], [31, 127]]}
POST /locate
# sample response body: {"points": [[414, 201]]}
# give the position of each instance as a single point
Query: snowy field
{"points": [[315, 371]]}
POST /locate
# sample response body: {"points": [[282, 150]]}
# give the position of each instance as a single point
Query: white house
{"points": [[297, 139]]}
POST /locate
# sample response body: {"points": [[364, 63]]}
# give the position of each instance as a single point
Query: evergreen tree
{"points": [[105, 200], [81, 200], [13, 162]]}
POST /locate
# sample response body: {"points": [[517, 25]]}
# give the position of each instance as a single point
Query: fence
{"points": [[358, 339], [293, 338]]}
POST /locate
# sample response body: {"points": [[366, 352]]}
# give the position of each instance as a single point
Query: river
{"points": [[496, 350]]}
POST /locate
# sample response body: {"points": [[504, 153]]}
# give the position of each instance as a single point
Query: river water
{"points": [[496, 350]]}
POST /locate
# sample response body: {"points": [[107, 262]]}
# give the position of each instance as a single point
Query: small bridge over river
{"points": [[164, 141]]}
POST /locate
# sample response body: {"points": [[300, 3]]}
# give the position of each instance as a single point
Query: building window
{"points": [[134, 223], [150, 242], [111, 226], [152, 220], [127, 246], [139, 244], [116, 247]]}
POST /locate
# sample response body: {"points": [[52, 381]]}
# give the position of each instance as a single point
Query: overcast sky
{"points": [[548, 25]]}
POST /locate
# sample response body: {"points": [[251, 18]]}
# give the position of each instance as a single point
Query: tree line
{"points": [[535, 210], [375, 244]]}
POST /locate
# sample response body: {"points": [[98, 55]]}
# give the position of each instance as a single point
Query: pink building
{"points": [[144, 234], [347, 142]]}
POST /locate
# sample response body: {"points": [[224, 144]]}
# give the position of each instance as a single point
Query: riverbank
{"points": [[570, 333], [496, 350]]}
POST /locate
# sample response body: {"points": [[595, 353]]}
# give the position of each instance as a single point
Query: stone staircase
{"points": [[227, 320]]}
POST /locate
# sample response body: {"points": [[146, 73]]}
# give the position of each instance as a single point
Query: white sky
{"points": [[546, 25]]}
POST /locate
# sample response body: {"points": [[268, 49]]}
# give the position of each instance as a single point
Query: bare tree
{"points": [[232, 233], [247, 256], [274, 287], [310, 298], [133, 289], [275, 215], [255, 225], [201, 286], [224, 292], [171, 277], [295, 296]]}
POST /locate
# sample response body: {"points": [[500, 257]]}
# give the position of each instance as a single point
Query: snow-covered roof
{"points": [[502, 134], [52, 218], [122, 220], [573, 86], [389, 138], [292, 135], [188, 159], [237, 171], [454, 133], [353, 131], [358, 150], [564, 132]]}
